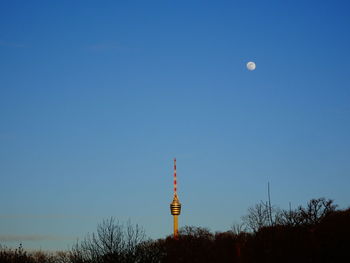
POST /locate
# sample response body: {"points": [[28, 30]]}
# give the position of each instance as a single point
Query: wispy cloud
{"points": [[107, 47], [22, 238], [49, 216], [11, 44], [99, 47]]}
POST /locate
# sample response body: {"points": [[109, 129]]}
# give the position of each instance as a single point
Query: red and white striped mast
{"points": [[175, 182]]}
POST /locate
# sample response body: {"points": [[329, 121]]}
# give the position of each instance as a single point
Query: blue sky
{"points": [[97, 98]]}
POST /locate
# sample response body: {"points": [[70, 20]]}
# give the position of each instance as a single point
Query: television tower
{"points": [[175, 206]]}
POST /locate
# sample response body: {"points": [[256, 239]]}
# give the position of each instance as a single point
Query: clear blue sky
{"points": [[98, 97]]}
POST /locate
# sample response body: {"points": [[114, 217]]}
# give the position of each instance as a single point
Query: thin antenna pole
{"points": [[270, 209], [290, 213]]}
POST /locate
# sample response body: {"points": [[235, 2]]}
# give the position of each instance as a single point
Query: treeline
{"points": [[318, 232]]}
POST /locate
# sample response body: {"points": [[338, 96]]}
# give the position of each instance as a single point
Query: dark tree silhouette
{"points": [[313, 213], [113, 242], [316, 210], [258, 216], [314, 233]]}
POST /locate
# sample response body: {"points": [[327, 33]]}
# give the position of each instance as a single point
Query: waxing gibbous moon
{"points": [[251, 66]]}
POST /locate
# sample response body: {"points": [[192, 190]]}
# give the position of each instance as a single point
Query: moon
{"points": [[251, 66]]}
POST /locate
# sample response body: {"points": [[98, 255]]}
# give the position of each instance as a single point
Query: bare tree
{"points": [[257, 217], [153, 251], [316, 210], [313, 213], [113, 242], [196, 232], [288, 218], [238, 228]]}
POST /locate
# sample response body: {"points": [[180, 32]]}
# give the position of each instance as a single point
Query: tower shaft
{"points": [[176, 227], [175, 206]]}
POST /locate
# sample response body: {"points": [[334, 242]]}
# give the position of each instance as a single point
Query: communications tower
{"points": [[175, 206]]}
